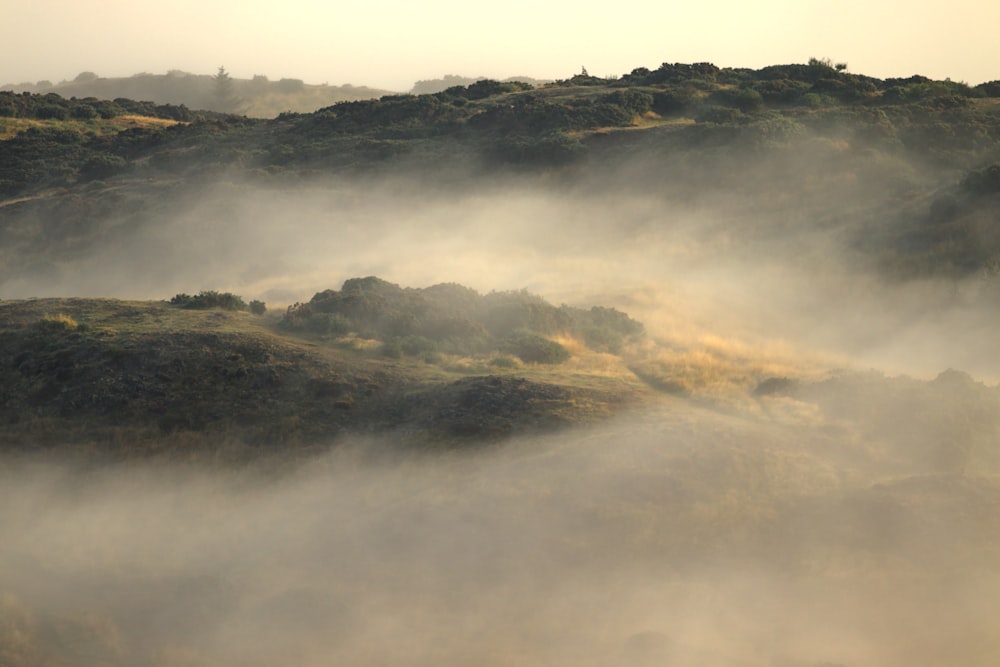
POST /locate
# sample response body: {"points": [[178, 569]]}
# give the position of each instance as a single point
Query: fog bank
{"points": [[677, 536], [689, 270]]}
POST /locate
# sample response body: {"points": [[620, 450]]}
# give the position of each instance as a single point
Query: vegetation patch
{"points": [[136, 378], [454, 319], [211, 299]]}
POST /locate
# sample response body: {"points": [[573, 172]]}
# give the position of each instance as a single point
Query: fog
{"points": [[849, 519], [676, 535], [695, 267]]}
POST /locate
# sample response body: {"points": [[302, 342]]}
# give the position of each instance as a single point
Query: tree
{"points": [[225, 98]]}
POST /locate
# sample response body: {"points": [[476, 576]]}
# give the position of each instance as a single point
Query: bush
{"points": [[534, 349], [83, 112], [103, 165], [258, 307], [503, 362], [984, 181], [417, 345], [51, 112], [674, 102], [603, 339], [327, 324], [207, 299], [391, 349], [744, 99]]}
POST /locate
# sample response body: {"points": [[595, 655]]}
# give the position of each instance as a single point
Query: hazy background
{"points": [[393, 44]]}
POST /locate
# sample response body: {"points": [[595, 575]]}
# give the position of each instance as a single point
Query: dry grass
{"points": [[62, 320], [10, 127]]}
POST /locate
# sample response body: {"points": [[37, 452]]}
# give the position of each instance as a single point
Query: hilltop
{"points": [[914, 160]]}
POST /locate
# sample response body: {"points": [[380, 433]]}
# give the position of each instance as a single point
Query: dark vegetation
{"points": [[453, 319], [51, 106], [707, 130], [207, 299]]}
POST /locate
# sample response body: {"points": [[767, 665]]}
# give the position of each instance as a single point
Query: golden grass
{"points": [[66, 321], [10, 127], [132, 120]]}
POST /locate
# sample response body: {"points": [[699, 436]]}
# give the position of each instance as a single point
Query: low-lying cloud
{"points": [[673, 536]]}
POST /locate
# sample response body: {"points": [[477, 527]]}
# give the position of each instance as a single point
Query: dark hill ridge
{"points": [[799, 140], [138, 377]]}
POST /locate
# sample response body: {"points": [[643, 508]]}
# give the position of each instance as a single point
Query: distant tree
{"points": [[224, 96], [259, 84], [289, 86]]}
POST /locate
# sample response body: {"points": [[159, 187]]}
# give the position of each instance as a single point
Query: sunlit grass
{"points": [[10, 127]]}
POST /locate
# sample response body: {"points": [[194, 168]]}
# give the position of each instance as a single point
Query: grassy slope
{"points": [[798, 158], [98, 126], [138, 376]]}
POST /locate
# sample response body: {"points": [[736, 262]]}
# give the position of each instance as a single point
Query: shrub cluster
{"points": [[455, 319], [51, 106], [207, 299]]}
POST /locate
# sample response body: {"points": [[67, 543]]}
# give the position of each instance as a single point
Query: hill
{"points": [[204, 481], [258, 97], [135, 378], [877, 163]]}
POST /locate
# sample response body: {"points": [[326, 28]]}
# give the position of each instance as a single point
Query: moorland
{"points": [[694, 365]]}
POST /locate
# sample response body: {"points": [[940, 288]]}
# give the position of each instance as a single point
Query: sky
{"points": [[392, 44]]}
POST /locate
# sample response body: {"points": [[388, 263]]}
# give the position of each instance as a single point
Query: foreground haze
{"points": [[480, 456]]}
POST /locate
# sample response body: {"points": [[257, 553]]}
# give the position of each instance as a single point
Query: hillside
{"points": [[802, 142], [696, 366], [136, 378]]}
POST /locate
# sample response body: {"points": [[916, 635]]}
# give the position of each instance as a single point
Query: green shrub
{"points": [[674, 102], [417, 345], [503, 362], [51, 112], [327, 324], [452, 319], [534, 349], [745, 99], [603, 339], [103, 165], [83, 112], [392, 349], [207, 299]]}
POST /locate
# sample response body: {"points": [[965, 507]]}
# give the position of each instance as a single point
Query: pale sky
{"points": [[391, 44]]}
